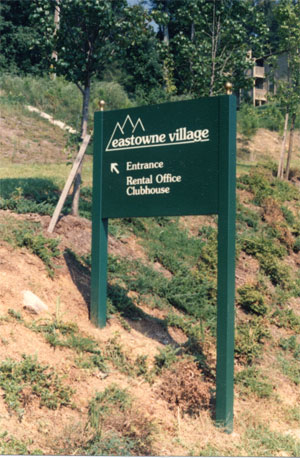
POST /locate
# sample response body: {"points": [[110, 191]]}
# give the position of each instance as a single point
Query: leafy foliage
{"points": [[25, 45], [208, 41]]}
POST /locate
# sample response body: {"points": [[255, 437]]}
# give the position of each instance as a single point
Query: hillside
{"points": [[144, 385]]}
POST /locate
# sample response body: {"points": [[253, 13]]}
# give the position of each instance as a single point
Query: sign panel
{"points": [[161, 160], [167, 160]]}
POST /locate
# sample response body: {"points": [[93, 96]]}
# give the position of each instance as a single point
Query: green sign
{"points": [[166, 160], [157, 164]]}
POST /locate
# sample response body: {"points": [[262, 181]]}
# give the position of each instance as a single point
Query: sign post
{"points": [[169, 160]]}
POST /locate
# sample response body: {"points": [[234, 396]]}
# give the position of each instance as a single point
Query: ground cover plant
{"points": [[24, 380]]}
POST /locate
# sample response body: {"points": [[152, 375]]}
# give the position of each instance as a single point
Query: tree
{"points": [[138, 56], [25, 45], [84, 43], [209, 41], [288, 18]]}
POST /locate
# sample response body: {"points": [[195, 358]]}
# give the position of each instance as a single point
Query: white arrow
{"points": [[113, 167]]}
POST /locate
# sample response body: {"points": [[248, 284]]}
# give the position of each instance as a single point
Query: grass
{"points": [[10, 445], [60, 98], [251, 380], [57, 174], [261, 441], [115, 427]]}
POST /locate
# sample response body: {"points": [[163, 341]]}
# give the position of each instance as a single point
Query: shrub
{"points": [[24, 380], [249, 340], [261, 182], [183, 387], [251, 300], [270, 117], [286, 318], [247, 120]]}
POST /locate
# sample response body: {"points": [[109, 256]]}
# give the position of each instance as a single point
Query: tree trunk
{"points": [[290, 151], [166, 38], [281, 160], [56, 27], [84, 121], [216, 27]]}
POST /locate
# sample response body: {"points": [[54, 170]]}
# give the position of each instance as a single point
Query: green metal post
{"points": [[226, 264], [99, 233]]}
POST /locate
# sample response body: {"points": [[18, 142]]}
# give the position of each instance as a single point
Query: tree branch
{"points": [[80, 88]]}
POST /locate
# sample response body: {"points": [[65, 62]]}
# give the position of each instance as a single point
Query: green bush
{"points": [[112, 93], [262, 183], [247, 120], [247, 216], [251, 300], [286, 318], [290, 344], [270, 117], [42, 383], [267, 253], [249, 340]]}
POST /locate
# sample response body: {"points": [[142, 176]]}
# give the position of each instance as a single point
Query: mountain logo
{"points": [[130, 135], [128, 127]]}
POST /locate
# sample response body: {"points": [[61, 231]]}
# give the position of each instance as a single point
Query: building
{"points": [[266, 78]]}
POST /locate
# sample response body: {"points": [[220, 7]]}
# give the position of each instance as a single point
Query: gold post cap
{"points": [[228, 87], [101, 105]]}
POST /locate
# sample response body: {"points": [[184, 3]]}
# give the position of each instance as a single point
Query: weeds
{"points": [[166, 357], [66, 335], [252, 379], [290, 368], [24, 380], [261, 441], [286, 318], [16, 315], [115, 354], [117, 425], [9, 445], [249, 340], [290, 344]]}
